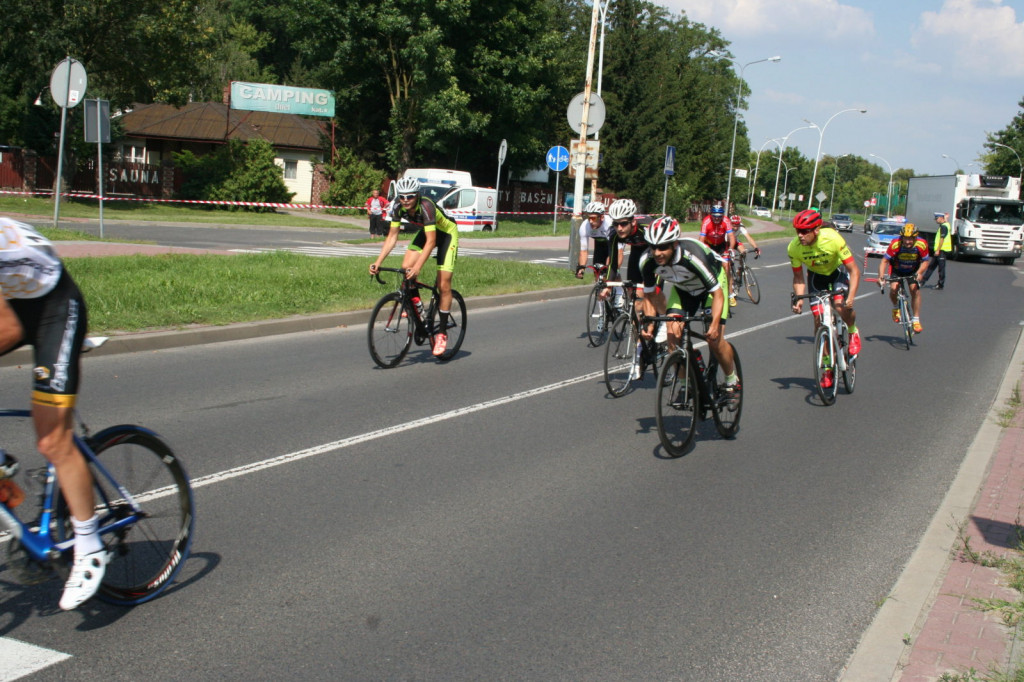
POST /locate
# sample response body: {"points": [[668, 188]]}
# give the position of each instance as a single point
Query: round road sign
{"points": [[68, 82]]}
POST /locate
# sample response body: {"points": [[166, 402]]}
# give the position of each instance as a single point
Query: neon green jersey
{"points": [[824, 256]]}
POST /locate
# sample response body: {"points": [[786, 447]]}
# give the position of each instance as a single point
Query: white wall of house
{"points": [[298, 173]]}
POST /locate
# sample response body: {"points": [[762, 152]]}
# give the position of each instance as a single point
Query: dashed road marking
{"points": [[18, 659]]}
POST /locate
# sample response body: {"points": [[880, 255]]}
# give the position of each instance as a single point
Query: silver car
{"points": [[843, 222], [880, 238]]}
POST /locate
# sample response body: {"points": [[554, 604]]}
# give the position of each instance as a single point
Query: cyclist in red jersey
{"points": [[907, 255], [716, 233]]}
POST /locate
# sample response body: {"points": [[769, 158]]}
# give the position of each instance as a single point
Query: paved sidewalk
{"points": [[929, 625]]}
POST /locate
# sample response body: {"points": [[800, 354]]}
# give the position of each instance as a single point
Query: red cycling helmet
{"points": [[807, 220], [736, 220]]}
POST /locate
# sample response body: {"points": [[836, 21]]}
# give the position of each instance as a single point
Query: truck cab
{"points": [[989, 219]]}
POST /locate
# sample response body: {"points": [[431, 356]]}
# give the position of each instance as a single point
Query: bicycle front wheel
{"points": [[850, 373], [824, 366], [148, 553], [456, 330], [725, 408], [750, 284], [620, 356], [907, 323], [597, 318], [678, 404], [390, 332]]}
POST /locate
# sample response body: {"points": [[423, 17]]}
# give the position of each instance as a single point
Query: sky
{"points": [[934, 75]]}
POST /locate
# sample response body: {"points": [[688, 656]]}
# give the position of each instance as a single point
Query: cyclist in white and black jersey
{"points": [[41, 306], [692, 274], [597, 228]]}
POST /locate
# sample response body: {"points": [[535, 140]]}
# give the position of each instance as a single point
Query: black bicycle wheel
{"points": [[456, 325], [620, 356], [750, 283], [597, 318], [390, 332], [824, 367], [850, 373], [906, 323], [725, 409], [147, 554], [678, 404]]}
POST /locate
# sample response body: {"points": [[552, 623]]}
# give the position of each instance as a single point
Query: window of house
{"points": [[133, 153], [291, 170]]}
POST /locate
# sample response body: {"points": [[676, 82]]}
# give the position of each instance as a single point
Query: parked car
{"points": [[762, 212], [882, 234], [843, 222], [872, 220]]}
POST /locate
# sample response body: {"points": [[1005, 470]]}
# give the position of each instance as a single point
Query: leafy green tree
{"points": [[238, 171], [1000, 160], [351, 180]]}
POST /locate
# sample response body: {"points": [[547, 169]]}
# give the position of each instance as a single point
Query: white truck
{"points": [[986, 210], [473, 208]]}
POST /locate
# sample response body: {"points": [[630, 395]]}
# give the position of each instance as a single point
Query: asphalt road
{"points": [[525, 525]]}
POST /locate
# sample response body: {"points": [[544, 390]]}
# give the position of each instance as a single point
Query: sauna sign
{"points": [[281, 99]]}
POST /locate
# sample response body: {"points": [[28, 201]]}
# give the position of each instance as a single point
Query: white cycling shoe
{"points": [[86, 575]]}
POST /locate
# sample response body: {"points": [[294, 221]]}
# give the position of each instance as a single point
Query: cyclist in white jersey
{"points": [[596, 228], [41, 306]]}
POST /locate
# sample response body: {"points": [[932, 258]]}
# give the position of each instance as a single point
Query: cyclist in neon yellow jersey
{"points": [[830, 265], [436, 229]]}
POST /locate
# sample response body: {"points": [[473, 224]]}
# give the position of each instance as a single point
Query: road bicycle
{"points": [[689, 390], [399, 318], [145, 506], [903, 304], [743, 275], [627, 353], [831, 347], [601, 312]]}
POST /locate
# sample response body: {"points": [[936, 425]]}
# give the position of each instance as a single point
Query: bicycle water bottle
{"points": [[418, 304], [700, 361]]}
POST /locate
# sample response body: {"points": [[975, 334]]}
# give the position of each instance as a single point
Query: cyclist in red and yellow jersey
{"points": [[907, 255], [830, 267]]}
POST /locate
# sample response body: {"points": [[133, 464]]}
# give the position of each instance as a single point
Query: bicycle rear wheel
{"points": [[678, 404], [725, 409], [389, 335], [146, 554], [456, 330], [597, 318], [620, 356], [750, 284], [906, 323], [824, 366]]}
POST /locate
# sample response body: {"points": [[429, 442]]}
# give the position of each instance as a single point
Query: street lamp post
{"points": [[757, 164], [821, 136], [832, 196], [1020, 174], [603, 8], [888, 200], [736, 123], [778, 171], [785, 186]]}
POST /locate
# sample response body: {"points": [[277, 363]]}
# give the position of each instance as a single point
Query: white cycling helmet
{"points": [[662, 231], [594, 207], [407, 186], [622, 209]]}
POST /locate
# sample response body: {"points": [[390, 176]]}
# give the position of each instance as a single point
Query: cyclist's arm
{"points": [[11, 331], [387, 246], [750, 238], [854, 270], [799, 287], [581, 264], [731, 239], [714, 333], [882, 268]]}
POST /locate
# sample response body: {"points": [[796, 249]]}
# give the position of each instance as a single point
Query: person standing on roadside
{"points": [[376, 206], [941, 247]]}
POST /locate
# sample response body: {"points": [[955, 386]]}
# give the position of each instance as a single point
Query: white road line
{"points": [[18, 659]]}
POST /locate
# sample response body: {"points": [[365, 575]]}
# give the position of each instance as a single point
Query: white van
{"points": [[473, 208]]}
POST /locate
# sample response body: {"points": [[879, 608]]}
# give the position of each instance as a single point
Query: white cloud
{"points": [[817, 19], [984, 37]]}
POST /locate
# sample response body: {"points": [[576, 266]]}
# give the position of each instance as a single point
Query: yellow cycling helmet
{"points": [[909, 230]]}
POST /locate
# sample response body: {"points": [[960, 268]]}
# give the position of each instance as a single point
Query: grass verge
{"points": [[136, 293]]}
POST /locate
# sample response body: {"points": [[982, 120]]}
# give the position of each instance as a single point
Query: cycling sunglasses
{"points": [[407, 197], [807, 231], [628, 221]]}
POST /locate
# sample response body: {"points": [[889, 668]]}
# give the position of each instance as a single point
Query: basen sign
{"points": [[281, 99]]}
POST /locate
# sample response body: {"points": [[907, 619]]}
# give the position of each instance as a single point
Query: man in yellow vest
{"points": [[941, 247]]}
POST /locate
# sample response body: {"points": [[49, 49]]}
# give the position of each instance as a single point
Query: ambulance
{"points": [[473, 208]]}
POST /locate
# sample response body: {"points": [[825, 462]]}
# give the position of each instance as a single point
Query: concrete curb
{"points": [[881, 647], [162, 340]]}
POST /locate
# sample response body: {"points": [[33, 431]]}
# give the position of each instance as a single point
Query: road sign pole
{"points": [[554, 209]]}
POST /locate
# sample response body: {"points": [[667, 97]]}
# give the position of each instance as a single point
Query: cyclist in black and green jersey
{"points": [[436, 229]]}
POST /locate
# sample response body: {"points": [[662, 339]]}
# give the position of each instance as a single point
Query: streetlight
{"points": [[600, 75], [785, 186], [782, 149], [955, 163], [831, 198], [888, 200], [736, 123], [753, 184], [821, 136], [1021, 173]]}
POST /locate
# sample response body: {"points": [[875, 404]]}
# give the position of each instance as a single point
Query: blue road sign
{"points": [[670, 160], [558, 159]]}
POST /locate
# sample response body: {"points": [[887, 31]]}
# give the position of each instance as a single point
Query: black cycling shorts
{"points": [[54, 325]]}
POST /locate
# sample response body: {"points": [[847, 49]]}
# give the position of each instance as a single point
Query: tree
{"points": [[999, 160]]}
